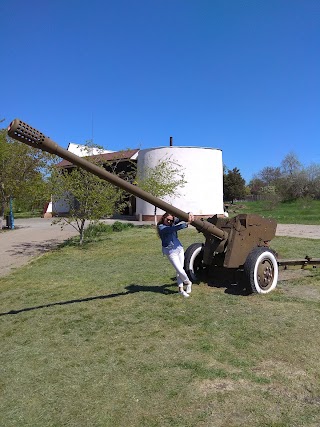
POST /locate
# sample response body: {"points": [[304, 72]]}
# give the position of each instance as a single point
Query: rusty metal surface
{"points": [[245, 232], [305, 262], [248, 232]]}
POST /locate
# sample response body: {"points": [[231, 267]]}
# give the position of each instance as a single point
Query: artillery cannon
{"points": [[240, 243]]}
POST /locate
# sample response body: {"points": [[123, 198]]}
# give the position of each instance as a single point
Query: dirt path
{"points": [[35, 236], [296, 230], [30, 238]]}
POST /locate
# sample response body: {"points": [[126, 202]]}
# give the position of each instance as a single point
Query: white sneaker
{"points": [[184, 293], [189, 288]]}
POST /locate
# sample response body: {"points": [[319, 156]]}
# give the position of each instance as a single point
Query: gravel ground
{"points": [[296, 230], [30, 238], [35, 236]]}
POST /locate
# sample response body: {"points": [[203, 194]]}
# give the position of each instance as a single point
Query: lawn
{"points": [[302, 211], [98, 336]]}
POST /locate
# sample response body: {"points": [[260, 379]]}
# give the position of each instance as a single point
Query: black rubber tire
{"points": [[261, 270], [193, 261]]}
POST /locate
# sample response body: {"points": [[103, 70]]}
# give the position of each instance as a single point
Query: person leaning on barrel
{"points": [[167, 228]]}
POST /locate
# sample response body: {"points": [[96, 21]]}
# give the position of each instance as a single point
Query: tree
{"points": [[290, 165], [87, 196], [293, 186], [23, 173], [293, 182], [270, 175], [256, 185], [313, 178], [163, 180], [266, 179], [234, 185]]}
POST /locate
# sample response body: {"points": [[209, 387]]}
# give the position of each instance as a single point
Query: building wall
{"points": [[203, 169], [203, 192]]}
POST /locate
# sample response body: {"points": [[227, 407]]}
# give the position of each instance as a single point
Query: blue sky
{"points": [[239, 75]]}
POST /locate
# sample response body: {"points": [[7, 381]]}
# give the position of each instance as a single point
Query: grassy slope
{"points": [[297, 212]]}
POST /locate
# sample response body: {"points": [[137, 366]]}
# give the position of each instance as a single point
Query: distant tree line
{"points": [[290, 181], [287, 182]]}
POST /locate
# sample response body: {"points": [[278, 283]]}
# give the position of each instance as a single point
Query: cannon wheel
{"points": [[193, 261], [261, 270]]}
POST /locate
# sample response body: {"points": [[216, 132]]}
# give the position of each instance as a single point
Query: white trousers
{"points": [[177, 260]]}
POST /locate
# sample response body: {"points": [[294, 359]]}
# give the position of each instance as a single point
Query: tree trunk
{"points": [[155, 215], [2, 209], [82, 231]]}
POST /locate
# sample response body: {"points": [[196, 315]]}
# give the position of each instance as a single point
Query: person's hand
{"points": [[191, 217]]}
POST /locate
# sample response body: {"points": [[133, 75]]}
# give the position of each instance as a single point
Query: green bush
{"points": [[120, 226], [96, 229]]}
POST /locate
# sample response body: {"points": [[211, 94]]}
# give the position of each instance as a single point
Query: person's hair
{"points": [[161, 221]]}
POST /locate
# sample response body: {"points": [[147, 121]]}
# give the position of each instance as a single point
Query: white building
{"points": [[202, 168], [203, 172]]}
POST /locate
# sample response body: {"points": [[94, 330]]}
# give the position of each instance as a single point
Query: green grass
{"points": [[98, 336], [302, 211], [31, 214]]}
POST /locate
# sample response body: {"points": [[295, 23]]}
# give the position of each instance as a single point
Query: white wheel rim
{"points": [[193, 258], [270, 257]]}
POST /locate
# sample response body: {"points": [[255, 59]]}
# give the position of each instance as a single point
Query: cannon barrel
{"points": [[23, 132]]}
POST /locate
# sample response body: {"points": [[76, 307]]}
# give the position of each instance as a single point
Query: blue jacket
{"points": [[169, 236]]}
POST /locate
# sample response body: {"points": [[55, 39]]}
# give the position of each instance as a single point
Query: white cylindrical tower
{"points": [[203, 171]]}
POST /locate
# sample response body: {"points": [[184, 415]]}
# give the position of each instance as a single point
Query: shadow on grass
{"points": [[32, 248], [39, 248], [157, 289], [130, 289], [230, 279]]}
